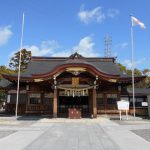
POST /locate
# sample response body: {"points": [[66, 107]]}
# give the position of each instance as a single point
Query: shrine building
{"points": [[55, 86]]}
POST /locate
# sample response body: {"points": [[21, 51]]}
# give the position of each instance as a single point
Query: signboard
{"points": [[8, 98], [144, 104], [75, 82], [113, 80], [123, 105]]}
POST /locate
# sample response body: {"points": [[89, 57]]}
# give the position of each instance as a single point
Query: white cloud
{"points": [[128, 63], [85, 47], [121, 45], [46, 48], [5, 34], [94, 15], [65, 53], [114, 54], [112, 13], [85, 43]]}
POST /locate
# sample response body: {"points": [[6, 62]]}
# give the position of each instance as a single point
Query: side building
{"points": [[53, 85]]}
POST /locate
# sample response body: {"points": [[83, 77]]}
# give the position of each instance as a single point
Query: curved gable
{"points": [[90, 68]]}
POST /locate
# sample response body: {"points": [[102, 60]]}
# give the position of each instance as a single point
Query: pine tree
{"points": [[25, 59]]}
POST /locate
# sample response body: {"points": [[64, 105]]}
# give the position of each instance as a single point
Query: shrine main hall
{"points": [[73, 86]]}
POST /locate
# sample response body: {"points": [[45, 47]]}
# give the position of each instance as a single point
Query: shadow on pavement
{"points": [[32, 117], [28, 117]]}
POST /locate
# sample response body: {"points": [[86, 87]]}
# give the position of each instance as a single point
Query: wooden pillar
{"points": [[94, 103], [27, 101], [90, 102], [55, 99], [105, 102]]}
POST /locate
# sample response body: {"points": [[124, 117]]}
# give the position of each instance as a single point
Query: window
{"points": [[35, 98], [138, 101], [100, 99], [48, 98], [48, 95], [11, 98], [111, 98]]}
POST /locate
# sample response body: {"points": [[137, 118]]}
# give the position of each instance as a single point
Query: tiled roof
{"points": [[39, 66], [4, 83], [42, 65], [140, 91]]}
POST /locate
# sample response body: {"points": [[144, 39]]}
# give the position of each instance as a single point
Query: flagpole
{"points": [[18, 83], [133, 88]]}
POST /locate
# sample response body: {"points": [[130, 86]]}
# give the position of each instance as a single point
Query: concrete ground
{"points": [[102, 133]]}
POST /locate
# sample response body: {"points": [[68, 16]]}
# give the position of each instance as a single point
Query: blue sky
{"points": [[60, 27]]}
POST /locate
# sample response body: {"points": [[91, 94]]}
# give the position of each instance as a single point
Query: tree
{"points": [[4, 69], [25, 58], [146, 71], [142, 84], [146, 82], [129, 71], [137, 72], [122, 68], [2, 94]]}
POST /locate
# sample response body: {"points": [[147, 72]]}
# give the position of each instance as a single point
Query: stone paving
{"points": [[5, 133], [79, 134], [144, 133], [74, 136]]}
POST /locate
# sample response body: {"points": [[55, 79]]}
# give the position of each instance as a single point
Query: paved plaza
{"points": [[102, 133]]}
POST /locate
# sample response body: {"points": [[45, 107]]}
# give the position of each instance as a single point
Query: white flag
{"points": [[135, 22]]}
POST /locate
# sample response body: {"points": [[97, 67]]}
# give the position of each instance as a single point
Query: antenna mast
{"points": [[108, 44]]}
